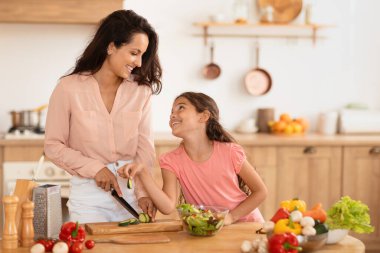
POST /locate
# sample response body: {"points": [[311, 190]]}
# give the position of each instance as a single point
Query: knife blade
{"points": [[125, 204]]}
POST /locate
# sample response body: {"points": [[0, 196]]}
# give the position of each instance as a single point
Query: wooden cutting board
{"points": [[106, 228], [142, 238]]}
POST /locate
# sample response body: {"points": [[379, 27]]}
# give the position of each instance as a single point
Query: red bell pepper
{"points": [[283, 243], [71, 232], [281, 213]]}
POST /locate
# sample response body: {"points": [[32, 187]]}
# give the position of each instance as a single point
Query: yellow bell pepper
{"points": [[287, 225], [294, 204]]}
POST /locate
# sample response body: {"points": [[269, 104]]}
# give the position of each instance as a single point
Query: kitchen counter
{"points": [[228, 240], [256, 139]]}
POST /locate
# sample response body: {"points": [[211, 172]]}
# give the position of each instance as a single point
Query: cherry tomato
{"points": [[77, 247], [90, 244], [48, 244]]}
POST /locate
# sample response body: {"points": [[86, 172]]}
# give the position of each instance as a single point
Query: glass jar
{"points": [[241, 11]]}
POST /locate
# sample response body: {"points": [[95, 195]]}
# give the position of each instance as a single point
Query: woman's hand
{"points": [[130, 170], [147, 206], [106, 180]]}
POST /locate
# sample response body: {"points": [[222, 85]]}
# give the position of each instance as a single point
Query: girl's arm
{"points": [[258, 189], [164, 199]]}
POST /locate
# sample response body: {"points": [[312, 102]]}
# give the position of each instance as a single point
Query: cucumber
{"points": [[144, 218], [219, 224], [129, 183], [131, 221]]}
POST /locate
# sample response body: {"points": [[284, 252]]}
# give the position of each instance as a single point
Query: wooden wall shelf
{"points": [[261, 30], [57, 11]]}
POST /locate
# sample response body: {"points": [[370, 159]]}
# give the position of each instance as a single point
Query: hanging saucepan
{"points": [[258, 81], [211, 71]]}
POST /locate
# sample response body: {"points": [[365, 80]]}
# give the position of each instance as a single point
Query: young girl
{"points": [[207, 164]]}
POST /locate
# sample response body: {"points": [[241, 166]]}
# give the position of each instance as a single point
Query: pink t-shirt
{"points": [[212, 182]]}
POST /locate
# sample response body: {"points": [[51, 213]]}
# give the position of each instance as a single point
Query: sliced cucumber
{"points": [[219, 224], [129, 183], [144, 218], [131, 221]]}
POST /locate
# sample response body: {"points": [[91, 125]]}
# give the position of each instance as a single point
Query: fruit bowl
{"points": [[312, 242], [202, 220]]}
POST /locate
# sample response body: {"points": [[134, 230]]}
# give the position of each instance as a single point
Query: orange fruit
{"points": [[303, 122], [289, 129], [285, 117], [297, 127], [279, 126]]}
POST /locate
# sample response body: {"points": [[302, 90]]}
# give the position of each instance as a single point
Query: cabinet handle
{"points": [[310, 150], [374, 151]]}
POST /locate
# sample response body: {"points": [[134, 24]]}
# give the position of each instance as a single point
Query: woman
{"points": [[99, 117]]}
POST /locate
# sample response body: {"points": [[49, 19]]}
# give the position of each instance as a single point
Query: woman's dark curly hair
{"points": [[119, 27]]}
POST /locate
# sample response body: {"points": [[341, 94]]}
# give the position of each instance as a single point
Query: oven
{"points": [[48, 173]]}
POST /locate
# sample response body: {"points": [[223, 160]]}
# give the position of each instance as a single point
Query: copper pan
{"points": [[258, 81], [211, 71]]}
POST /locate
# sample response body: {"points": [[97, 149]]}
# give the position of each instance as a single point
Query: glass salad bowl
{"points": [[202, 220]]}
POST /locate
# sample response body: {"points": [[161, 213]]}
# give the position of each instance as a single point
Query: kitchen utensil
{"points": [[16, 119], [142, 238], [258, 81], [47, 220], [264, 115], [125, 204], [107, 228], [211, 71], [284, 10], [47, 211]]}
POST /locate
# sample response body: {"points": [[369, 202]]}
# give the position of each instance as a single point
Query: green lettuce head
{"points": [[349, 214]]}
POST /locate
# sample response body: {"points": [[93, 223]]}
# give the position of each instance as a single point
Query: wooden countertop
{"points": [[228, 241], [162, 139]]}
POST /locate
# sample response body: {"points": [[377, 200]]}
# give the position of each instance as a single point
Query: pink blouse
{"points": [[213, 182], [81, 136]]}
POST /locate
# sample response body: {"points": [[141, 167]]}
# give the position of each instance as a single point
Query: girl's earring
{"points": [[109, 52]]}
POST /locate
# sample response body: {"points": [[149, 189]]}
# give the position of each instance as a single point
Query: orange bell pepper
{"points": [[317, 213]]}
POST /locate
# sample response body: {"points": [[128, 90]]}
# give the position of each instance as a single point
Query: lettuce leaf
{"points": [[349, 214]]}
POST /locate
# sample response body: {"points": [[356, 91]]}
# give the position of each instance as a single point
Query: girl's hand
{"points": [[147, 206], [106, 180], [130, 170], [228, 219]]}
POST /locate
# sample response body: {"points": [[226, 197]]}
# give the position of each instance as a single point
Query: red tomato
{"points": [[77, 247], [90, 244], [48, 244]]}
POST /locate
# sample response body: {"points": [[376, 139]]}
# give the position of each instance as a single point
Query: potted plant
{"points": [[347, 215]]}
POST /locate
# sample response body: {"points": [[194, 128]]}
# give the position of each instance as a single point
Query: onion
{"points": [[60, 247], [37, 248]]}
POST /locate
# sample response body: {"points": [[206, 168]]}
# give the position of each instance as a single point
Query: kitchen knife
{"points": [[124, 204]]}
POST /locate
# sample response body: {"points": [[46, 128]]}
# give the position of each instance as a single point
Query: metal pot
{"points": [[16, 119], [25, 119]]}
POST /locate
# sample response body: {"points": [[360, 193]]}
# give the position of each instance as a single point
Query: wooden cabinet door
{"points": [[264, 160], [312, 174], [361, 181]]}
